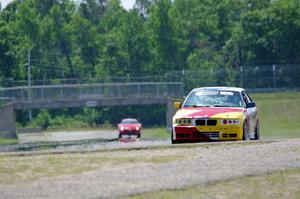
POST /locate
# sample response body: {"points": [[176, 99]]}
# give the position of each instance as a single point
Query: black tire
{"points": [[245, 132], [172, 140], [120, 136], [257, 132], [139, 135]]}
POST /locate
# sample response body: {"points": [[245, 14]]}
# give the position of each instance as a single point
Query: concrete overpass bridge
{"points": [[91, 95], [87, 95]]}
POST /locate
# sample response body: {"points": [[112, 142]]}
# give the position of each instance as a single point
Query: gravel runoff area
{"points": [[202, 163]]}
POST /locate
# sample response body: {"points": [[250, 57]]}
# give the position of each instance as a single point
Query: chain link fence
{"points": [[275, 76], [249, 77], [72, 81]]}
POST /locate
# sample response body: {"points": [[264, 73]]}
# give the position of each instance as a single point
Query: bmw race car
{"points": [[215, 113]]}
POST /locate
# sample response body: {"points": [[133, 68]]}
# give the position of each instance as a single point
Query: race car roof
{"points": [[220, 88]]}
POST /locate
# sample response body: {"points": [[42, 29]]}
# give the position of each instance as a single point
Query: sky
{"points": [[127, 4]]}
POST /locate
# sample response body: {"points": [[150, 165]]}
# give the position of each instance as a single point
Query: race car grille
{"points": [[206, 122], [212, 134], [198, 134], [206, 134], [183, 135], [231, 135]]}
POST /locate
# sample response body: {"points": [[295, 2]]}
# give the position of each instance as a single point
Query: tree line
{"points": [[97, 38]]}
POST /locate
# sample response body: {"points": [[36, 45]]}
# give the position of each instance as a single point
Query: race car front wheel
{"points": [[245, 132], [257, 135], [172, 139]]}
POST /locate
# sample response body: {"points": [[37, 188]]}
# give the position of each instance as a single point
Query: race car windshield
{"points": [[214, 99], [129, 121]]}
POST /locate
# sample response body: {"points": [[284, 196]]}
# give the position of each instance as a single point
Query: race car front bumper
{"points": [[193, 133]]}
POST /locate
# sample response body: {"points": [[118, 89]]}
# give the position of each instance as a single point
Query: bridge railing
{"points": [[91, 91]]}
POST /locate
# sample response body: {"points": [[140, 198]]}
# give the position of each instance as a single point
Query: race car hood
{"points": [[130, 126], [209, 112]]}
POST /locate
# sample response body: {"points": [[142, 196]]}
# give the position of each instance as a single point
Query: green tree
{"points": [[43, 119], [136, 43], [143, 6], [267, 33], [8, 59], [91, 115], [113, 56], [92, 10], [11, 63], [161, 36], [83, 38], [55, 43]]}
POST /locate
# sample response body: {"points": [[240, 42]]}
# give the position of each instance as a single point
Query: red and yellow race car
{"points": [[215, 113]]}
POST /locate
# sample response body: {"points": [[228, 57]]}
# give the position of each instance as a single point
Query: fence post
{"points": [[79, 87], [100, 91], [274, 75], [182, 89], [242, 76], [29, 80], [42, 93], [157, 89], [22, 95], [119, 91], [61, 92], [139, 89], [166, 90]]}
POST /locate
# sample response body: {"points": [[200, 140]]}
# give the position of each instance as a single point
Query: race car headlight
{"points": [[137, 128], [183, 121], [122, 128], [230, 122]]}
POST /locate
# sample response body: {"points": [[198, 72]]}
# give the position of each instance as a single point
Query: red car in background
{"points": [[129, 127]]}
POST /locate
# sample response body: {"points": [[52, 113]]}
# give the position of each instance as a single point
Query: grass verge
{"points": [[155, 133], [279, 114], [19, 169], [282, 184], [4, 141]]}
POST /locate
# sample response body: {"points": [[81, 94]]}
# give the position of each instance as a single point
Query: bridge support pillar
{"points": [[170, 113], [7, 122]]}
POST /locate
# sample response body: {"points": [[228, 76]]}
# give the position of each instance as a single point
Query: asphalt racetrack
{"points": [[83, 140]]}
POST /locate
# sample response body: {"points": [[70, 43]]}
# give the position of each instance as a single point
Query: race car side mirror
{"points": [[177, 105], [250, 105]]}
